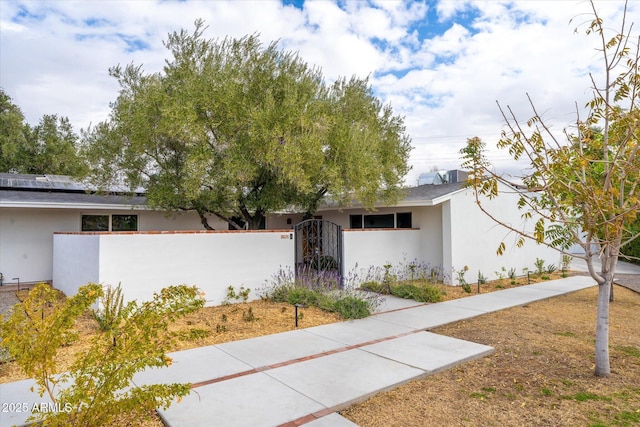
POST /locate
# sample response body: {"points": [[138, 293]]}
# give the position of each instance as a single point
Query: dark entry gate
{"points": [[319, 248]]}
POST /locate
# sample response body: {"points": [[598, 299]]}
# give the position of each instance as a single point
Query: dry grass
{"points": [[210, 325], [540, 374]]}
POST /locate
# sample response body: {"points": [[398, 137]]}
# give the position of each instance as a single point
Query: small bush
{"points": [[466, 287], [304, 296], [482, 279], [405, 290], [232, 294], [42, 324], [373, 286], [420, 293], [248, 315], [193, 334], [111, 312], [351, 307], [321, 290]]}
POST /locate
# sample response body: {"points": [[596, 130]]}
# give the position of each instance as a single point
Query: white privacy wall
{"points": [[76, 261], [475, 237], [144, 263], [377, 247]]}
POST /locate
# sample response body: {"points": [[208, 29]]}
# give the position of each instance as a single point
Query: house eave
{"points": [[75, 206], [405, 203]]}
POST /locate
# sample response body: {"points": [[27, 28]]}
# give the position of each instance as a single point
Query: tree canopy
{"points": [[582, 189], [238, 130], [50, 147]]}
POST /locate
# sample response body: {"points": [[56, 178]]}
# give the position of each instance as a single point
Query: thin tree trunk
{"points": [[603, 367], [611, 291], [204, 221]]}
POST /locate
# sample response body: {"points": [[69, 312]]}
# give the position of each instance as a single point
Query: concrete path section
{"points": [[304, 376]]}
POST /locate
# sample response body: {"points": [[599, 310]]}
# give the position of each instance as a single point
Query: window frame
{"points": [[86, 217]]}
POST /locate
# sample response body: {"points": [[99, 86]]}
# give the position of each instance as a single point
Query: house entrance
{"points": [[319, 249]]}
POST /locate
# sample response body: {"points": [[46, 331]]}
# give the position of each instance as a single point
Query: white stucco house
{"points": [[52, 229]]}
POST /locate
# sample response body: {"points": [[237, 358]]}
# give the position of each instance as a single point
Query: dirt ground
{"points": [[210, 325], [540, 374]]}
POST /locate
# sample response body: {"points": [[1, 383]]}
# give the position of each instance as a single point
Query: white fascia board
{"points": [[73, 206], [401, 203]]}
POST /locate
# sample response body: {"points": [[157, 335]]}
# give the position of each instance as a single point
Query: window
{"points": [[404, 220], [102, 222], [95, 222], [124, 223], [379, 221], [355, 221]]}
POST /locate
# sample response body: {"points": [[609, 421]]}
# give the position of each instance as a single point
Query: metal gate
{"points": [[319, 249]]}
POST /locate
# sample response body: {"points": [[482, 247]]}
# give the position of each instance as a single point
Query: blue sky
{"points": [[441, 64]]}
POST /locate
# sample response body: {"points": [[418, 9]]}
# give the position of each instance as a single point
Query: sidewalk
{"points": [[305, 376]]}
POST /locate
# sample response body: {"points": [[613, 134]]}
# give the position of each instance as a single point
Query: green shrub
{"points": [[404, 290], [111, 302], [320, 290], [377, 287], [351, 307], [482, 279], [466, 287], [304, 296], [424, 293], [232, 294], [103, 392], [432, 294]]}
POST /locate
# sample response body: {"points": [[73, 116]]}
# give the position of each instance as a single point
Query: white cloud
{"points": [[444, 74]]}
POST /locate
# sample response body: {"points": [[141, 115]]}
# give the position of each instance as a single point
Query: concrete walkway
{"points": [[305, 376]]}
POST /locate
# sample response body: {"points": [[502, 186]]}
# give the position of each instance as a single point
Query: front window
{"points": [[95, 222], [124, 223], [404, 220], [379, 221], [109, 223]]}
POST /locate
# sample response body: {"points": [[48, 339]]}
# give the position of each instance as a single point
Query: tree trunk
{"points": [[611, 291], [255, 221], [204, 220], [603, 368]]}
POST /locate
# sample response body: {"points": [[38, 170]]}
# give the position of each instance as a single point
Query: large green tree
{"points": [[13, 131], [235, 129], [50, 147], [584, 189]]}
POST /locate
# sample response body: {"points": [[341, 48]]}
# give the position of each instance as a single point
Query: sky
{"points": [[443, 65]]}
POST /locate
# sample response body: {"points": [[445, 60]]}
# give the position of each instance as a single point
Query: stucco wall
{"points": [[475, 237], [146, 262], [26, 243], [26, 235], [377, 247], [429, 220], [76, 261]]}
